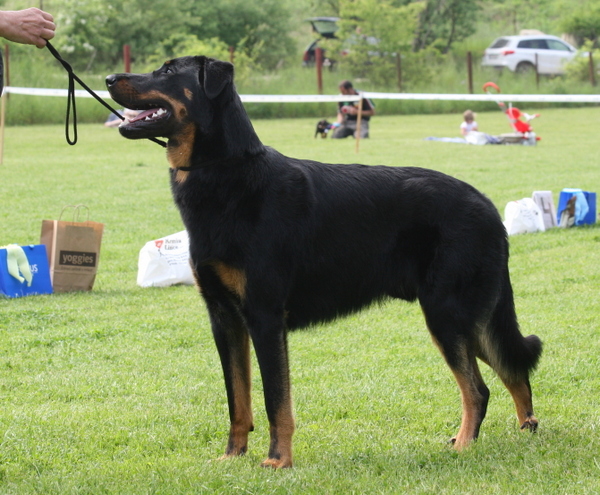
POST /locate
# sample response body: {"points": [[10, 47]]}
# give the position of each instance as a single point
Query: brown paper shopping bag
{"points": [[73, 250]]}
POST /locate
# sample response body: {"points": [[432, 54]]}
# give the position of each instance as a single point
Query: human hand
{"points": [[30, 26], [349, 109]]}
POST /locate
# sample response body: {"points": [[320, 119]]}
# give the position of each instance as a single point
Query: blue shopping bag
{"points": [[576, 207], [24, 271]]}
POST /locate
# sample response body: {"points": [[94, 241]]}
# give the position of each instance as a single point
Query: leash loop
{"points": [[71, 98]]}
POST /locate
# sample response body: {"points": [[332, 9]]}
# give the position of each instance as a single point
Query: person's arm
{"points": [[30, 26], [340, 115], [366, 112]]}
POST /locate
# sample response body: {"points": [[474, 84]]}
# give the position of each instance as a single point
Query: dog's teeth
{"points": [[158, 113], [147, 118]]}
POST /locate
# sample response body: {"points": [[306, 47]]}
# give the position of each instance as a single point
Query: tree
{"points": [[179, 45], [325, 7], [516, 15], [583, 25], [94, 31], [260, 28], [444, 22], [371, 33]]}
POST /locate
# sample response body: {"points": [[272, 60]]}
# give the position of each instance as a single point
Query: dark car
{"points": [[325, 27]]}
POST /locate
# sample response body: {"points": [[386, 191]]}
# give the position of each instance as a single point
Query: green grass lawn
{"points": [[119, 391]]}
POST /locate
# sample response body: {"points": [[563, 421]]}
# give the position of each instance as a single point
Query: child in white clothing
{"points": [[469, 123]]}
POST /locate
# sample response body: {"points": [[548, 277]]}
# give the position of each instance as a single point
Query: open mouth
{"points": [[147, 117], [149, 122]]}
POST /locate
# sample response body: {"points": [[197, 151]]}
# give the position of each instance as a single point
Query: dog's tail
{"points": [[510, 354]]}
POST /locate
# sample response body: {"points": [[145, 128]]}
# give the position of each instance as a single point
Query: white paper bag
{"points": [[523, 216], [165, 261], [546, 205]]}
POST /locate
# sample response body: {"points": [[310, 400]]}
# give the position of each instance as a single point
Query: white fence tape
{"points": [[485, 97], [245, 98], [334, 98], [82, 93]]}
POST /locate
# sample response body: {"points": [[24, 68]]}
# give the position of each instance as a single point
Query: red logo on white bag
{"points": [[159, 243]]}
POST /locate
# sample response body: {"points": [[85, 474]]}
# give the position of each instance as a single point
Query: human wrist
{"points": [[4, 23]]}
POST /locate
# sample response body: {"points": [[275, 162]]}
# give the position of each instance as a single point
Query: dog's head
{"points": [[167, 96]]}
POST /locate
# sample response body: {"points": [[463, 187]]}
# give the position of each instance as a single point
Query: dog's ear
{"points": [[217, 75]]}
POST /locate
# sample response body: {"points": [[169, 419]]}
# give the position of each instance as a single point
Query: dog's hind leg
{"points": [[522, 397], [454, 339], [474, 393], [511, 355]]}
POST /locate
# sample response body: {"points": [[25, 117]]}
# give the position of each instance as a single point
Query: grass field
{"points": [[119, 391]]}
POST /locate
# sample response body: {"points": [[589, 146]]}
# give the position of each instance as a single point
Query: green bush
{"points": [[584, 25], [578, 69], [179, 45]]}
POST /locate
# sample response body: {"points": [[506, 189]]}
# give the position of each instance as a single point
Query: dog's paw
{"points": [[276, 463], [460, 443], [231, 453], [531, 424]]}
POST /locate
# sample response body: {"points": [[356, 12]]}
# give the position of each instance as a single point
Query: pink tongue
{"points": [[144, 114]]}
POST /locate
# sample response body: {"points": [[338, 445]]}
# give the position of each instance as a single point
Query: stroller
{"points": [[519, 121]]}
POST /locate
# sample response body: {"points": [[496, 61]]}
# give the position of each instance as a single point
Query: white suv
{"points": [[518, 53]]}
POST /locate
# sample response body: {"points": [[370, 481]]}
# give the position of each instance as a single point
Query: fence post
{"points": [[319, 65], [4, 99], [127, 57], [470, 70], [592, 71], [231, 54], [7, 66], [399, 70]]}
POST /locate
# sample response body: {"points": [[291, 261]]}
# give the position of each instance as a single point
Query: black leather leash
{"points": [[71, 99]]}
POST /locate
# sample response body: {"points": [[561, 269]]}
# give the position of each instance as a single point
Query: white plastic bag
{"points": [[523, 216], [476, 137], [165, 261]]}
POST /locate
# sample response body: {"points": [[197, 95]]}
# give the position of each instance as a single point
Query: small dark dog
{"points": [[323, 127], [279, 243]]}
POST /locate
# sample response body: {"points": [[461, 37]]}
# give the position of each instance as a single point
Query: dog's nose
{"points": [[111, 80]]}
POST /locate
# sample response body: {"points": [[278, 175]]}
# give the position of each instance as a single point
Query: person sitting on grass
{"points": [[347, 117], [468, 123]]}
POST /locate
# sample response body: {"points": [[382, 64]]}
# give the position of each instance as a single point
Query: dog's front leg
{"points": [[233, 344], [270, 342]]}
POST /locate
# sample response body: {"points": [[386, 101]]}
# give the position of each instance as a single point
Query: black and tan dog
{"points": [[279, 243], [323, 127]]}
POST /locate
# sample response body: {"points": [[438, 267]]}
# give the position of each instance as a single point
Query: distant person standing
{"points": [[30, 27], [347, 116]]}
